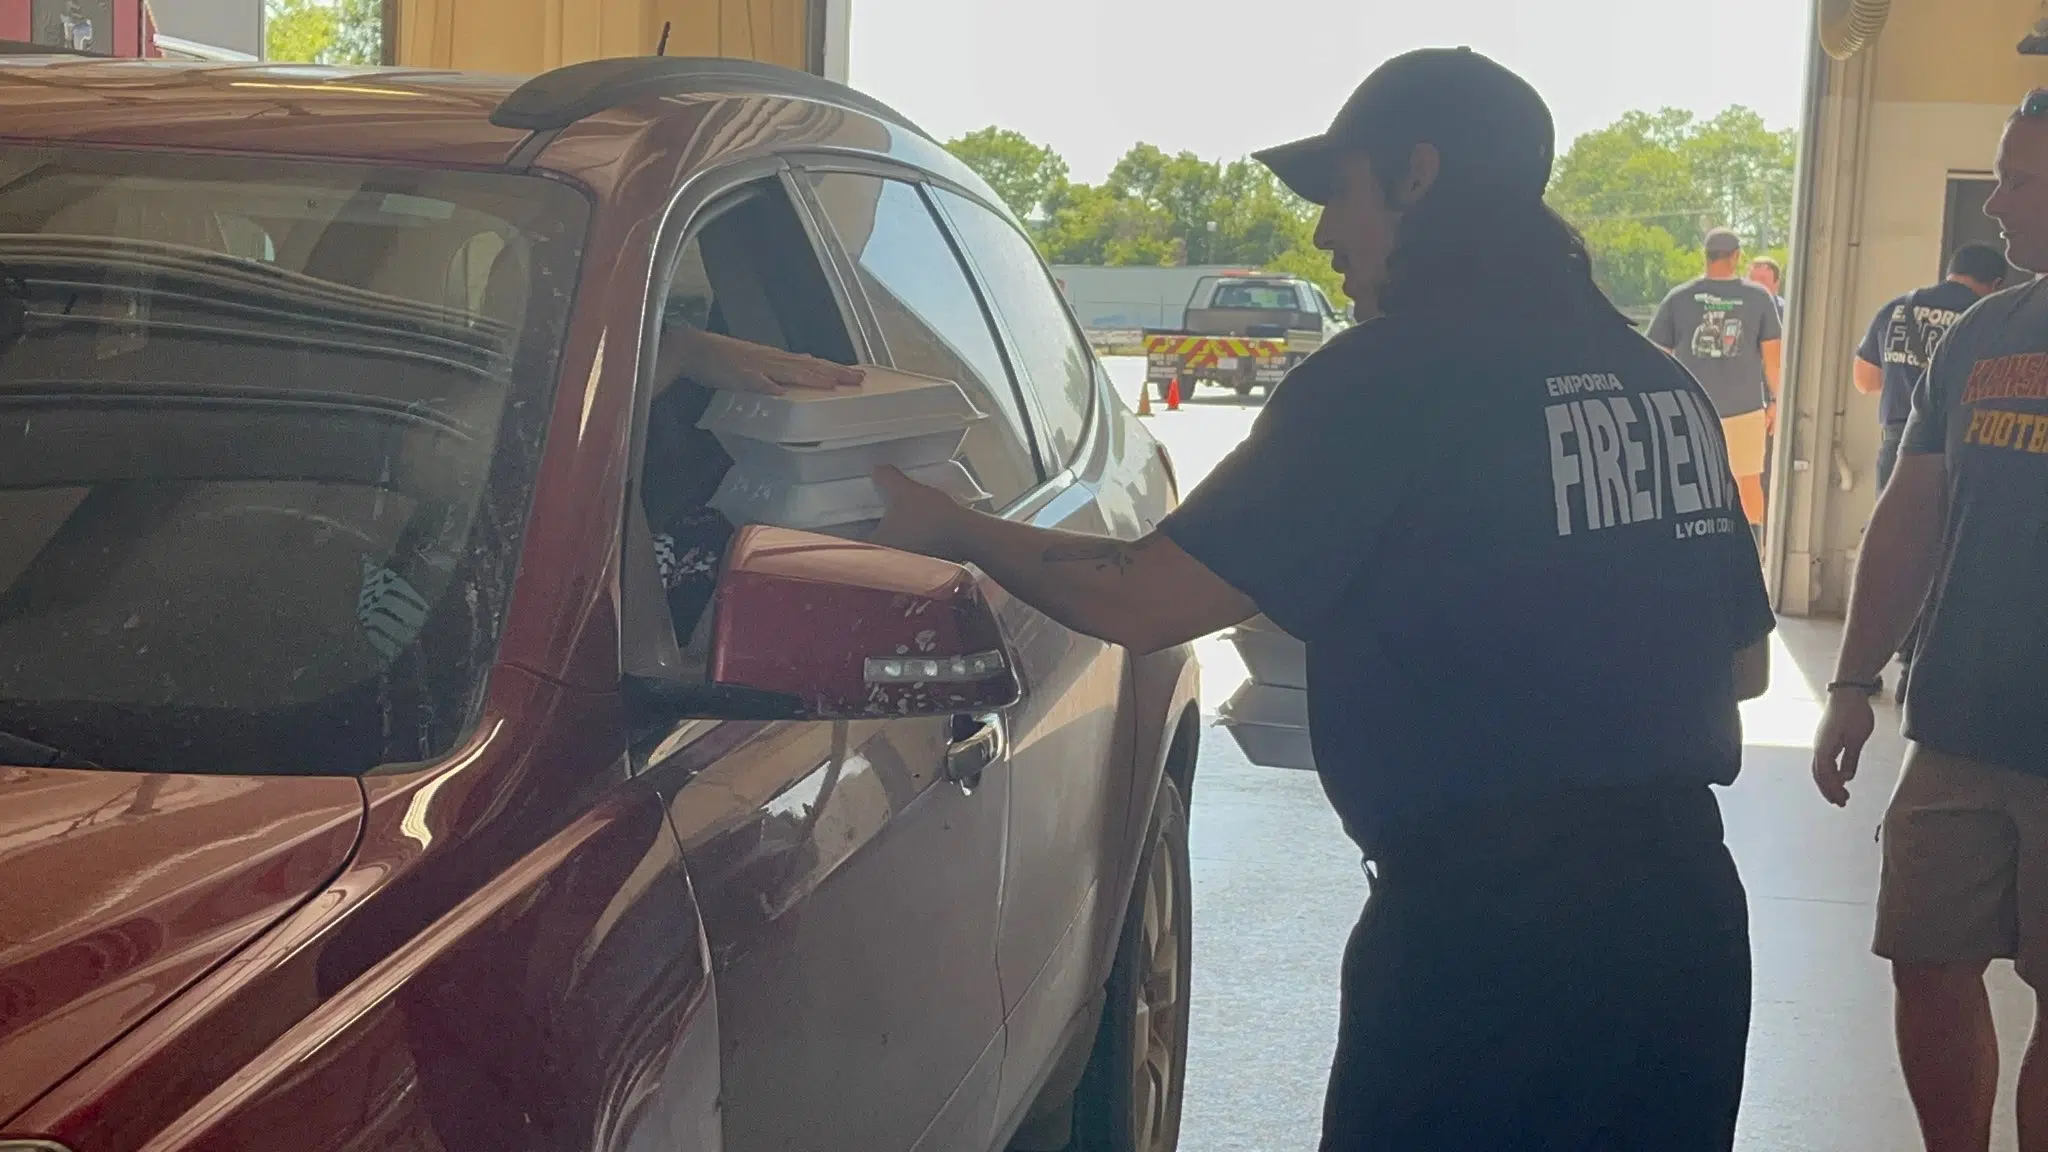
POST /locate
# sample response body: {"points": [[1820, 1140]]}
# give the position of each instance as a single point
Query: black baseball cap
{"points": [[1484, 121], [1722, 243]]}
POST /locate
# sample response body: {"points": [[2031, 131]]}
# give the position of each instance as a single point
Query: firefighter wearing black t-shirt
{"points": [[1506, 527]]}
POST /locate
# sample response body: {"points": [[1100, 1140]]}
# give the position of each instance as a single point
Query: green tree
{"points": [[1153, 209], [1029, 177], [1646, 188], [1745, 170], [324, 31], [1093, 225]]}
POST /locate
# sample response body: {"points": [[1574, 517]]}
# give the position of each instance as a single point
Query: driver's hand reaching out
{"points": [[732, 365]]}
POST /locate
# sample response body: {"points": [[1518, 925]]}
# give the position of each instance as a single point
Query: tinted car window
{"points": [[931, 316], [1056, 363], [272, 442], [1258, 297]]}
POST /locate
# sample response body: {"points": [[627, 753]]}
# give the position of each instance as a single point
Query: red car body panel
{"points": [[117, 891], [483, 971], [545, 941], [397, 117]]}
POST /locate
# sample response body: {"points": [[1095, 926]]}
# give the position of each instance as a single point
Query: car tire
{"points": [[1130, 1095]]}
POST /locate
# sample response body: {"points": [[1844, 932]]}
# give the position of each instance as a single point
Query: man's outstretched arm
{"points": [[1145, 594]]}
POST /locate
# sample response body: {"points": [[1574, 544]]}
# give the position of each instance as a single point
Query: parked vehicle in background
{"points": [[1242, 332], [357, 786], [118, 28], [1116, 304]]}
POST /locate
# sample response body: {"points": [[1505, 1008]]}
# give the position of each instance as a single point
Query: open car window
{"points": [[274, 429], [745, 269]]}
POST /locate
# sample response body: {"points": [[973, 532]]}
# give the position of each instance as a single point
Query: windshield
{"points": [[271, 431], [1257, 296]]}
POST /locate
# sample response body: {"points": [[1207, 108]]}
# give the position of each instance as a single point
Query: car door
{"points": [[1071, 784], [848, 886]]}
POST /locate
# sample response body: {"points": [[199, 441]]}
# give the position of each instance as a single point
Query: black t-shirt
{"points": [[1902, 339], [1980, 665], [1515, 551], [1718, 329]]}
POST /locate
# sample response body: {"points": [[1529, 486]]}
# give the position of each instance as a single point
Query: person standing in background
{"points": [[1765, 273], [1904, 334], [1769, 275], [1896, 351], [1727, 333]]}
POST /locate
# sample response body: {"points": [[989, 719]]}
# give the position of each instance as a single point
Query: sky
{"points": [[1221, 78]]}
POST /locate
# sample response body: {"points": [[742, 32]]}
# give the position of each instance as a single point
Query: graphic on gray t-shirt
{"points": [[1717, 329], [1980, 670]]}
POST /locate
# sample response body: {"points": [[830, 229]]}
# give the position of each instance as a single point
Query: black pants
{"points": [[1567, 975], [1887, 463]]}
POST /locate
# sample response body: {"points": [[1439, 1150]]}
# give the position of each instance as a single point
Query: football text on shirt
{"points": [[1623, 458], [1995, 382]]}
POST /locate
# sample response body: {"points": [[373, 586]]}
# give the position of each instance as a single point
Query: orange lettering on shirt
{"points": [[1974, 435], [2021, 377]]}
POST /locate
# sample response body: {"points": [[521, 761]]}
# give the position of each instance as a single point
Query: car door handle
{"points": [[978, 743]]}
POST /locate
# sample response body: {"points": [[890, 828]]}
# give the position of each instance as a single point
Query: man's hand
{"points": [[731, 365], [1095, 585], [1845, 727], [920, 518], [1771, 418]]}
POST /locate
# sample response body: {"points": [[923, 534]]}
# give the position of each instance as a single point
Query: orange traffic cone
{"points": [[1145, 400], [1173, 395]]}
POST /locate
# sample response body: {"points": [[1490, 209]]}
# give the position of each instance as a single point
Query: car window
{"points": [[931, 316], [1261, 296], [746, 270], [1057, 364], [269, 463]]}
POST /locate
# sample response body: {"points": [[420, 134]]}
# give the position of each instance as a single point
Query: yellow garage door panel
{"points": [[527, 36]]}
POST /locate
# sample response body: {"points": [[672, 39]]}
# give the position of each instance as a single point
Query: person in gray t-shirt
{"points": [[1727, 332], [1963, 528]]}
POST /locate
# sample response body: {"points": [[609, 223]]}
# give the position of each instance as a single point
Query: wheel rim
{"points": [[1161, 1000]]}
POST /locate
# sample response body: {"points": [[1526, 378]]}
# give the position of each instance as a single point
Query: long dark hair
{"points": [[1469, 243]]}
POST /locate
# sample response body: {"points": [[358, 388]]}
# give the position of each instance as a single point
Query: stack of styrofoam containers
{"points": [[803, 459], [1268, 717]]}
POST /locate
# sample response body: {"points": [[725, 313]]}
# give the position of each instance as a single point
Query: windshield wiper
{"points": [[26, 753]]}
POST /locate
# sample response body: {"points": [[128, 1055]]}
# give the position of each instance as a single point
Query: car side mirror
{"points": [[848, 630]]}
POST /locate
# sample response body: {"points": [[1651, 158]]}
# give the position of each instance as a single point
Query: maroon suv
{"points": [[365, 790]]}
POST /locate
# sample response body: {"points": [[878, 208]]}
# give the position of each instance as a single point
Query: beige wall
{"points": [[1928, 99], [527, 36]]}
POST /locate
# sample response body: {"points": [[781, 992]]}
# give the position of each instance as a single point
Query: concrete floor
{"points": [[1277, 888]]}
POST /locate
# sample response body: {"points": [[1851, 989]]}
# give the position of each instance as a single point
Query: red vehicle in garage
{"points": [[123, 28], [364, 793]]}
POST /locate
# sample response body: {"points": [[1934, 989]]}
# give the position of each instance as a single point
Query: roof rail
{"points": [[554, 100]]}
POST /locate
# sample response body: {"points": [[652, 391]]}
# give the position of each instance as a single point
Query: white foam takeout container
{"points": [[888, 405], [1271, 725], [840, 459], [1272, 657], [747, 499]]}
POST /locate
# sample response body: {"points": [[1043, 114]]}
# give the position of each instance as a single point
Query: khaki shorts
{"points": [[1745, 435], [1965, 877]]}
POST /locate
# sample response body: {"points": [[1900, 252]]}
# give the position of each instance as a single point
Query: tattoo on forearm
{"points": [[1106, 555]]}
